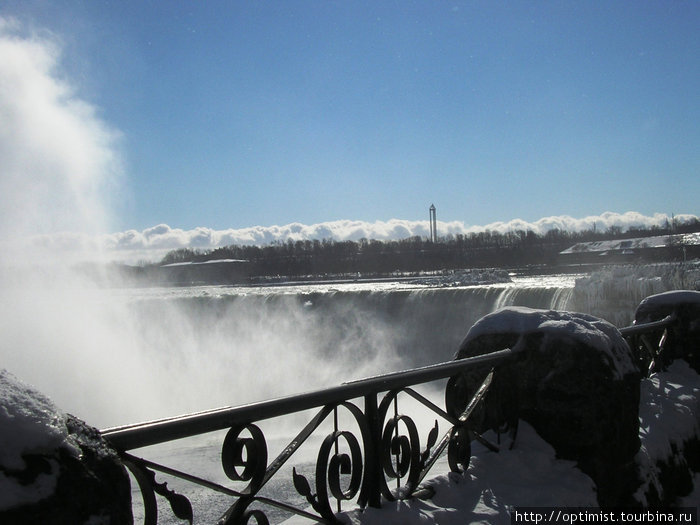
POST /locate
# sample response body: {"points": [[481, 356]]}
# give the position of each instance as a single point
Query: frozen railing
{"points": [[386, 462]]}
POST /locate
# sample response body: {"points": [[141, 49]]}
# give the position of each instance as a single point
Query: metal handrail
{"points": [[651, 356], [137, 435], [151, 433], [366, 465], [638, 329]]}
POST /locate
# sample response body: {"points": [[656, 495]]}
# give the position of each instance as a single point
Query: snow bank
{"points": [[659, 241], [212, 261], [31, 424]]}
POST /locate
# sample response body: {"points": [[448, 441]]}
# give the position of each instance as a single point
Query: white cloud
{"points": [[152, 243]]}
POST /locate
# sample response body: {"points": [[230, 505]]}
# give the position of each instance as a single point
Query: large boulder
{"points": [[683, 340], [573, 378], [53, 467]]}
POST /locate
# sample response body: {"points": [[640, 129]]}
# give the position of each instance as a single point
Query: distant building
{"points": [[641, 249], [433, 224], [215, 271]]}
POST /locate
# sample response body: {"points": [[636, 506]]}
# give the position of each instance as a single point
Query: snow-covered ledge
{"points": [[53, 467]]}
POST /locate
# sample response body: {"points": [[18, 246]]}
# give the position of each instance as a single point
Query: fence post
{"points": [[373, 469]]}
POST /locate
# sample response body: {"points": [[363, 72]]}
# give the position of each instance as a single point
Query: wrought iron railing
{"points": [[386, 461], [388, 446], [649, 341]]}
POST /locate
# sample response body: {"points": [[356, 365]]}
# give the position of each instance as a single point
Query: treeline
{"points": [[473, 250]]}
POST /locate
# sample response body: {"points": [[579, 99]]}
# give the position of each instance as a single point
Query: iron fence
{"points": [[381, 458]]}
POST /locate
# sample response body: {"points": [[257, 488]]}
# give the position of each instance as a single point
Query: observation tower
{"points": [[433, 224]]}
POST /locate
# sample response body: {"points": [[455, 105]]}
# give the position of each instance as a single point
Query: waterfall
{"points": [[122, 355], [614, 293]]}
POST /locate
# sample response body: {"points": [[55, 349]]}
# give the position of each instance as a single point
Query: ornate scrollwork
{"points": [[351, 464], [259, 516], [245, 459], [459, 449], [248, 453], [149, 487], [333, 467], [401, 455], [240, 515]]}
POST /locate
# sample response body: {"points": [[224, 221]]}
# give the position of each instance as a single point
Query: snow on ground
{"points": [[668, 415], [213, 261], [619, 245], [669, 408], [529, 475]]}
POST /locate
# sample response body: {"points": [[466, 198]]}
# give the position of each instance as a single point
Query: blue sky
{"points": [[236, 114]]}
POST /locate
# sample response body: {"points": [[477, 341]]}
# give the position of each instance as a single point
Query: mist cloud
{"points": [[57, 158]]}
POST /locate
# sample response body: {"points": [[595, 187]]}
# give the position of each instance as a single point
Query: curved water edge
{"points": [[417, 324], [366, 328]]}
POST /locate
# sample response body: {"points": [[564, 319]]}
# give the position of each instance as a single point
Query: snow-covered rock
{"points": [[573, 378], [53, 467]]}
